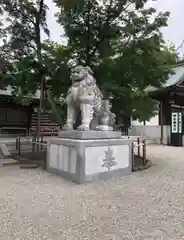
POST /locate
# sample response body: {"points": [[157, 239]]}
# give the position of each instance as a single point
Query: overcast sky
{"points": [[173, 33]]}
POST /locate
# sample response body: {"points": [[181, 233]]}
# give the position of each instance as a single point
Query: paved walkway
{"points": [[145, 205]]}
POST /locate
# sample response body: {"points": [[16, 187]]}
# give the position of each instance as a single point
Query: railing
{"points": [[47, 131], [140, 146], [36, 145], [14, 128]]}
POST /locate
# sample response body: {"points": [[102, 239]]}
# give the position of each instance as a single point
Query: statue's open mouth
{"points": [[77, 83], [76, 78]]}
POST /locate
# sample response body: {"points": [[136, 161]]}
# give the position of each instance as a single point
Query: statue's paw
{"points": [[103, 128], [67, 127], [83, 127], [98, 128]]}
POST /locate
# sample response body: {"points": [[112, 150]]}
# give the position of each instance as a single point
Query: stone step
{"points": [[28, 165], [8, 161], [5, 150]]}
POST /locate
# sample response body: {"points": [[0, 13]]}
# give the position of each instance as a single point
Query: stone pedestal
{"points": [[89, 156], [84, 135]]}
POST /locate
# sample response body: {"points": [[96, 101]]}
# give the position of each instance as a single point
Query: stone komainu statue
{"points": [[85, 97]]}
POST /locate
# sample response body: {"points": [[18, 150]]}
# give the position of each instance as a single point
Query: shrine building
{"points": [[168, 126]]}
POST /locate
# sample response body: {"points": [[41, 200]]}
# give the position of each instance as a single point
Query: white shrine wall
{"points": [[150, 130]]}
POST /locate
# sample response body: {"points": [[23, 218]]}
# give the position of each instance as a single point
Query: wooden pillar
{"points": [[161, 122], [30, 111], [166, 112], [164, 116]]}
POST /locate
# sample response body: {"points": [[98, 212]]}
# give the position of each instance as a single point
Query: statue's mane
{"points": [[90, 75]]}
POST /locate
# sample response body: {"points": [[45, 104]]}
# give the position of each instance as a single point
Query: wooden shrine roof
{"points": [[175, 83]]}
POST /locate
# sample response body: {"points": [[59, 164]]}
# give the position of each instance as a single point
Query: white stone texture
{"points": [[60, 153], [84, 96], [62, 158], [53, 156], [95, 155], [73, 160]]}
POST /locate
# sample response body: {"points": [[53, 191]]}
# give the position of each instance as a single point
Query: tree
{"points": [[117, 39], [29, 58], [56, 59], [122, 42], [22, 42]]}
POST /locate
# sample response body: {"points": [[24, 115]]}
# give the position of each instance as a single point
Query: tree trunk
{"points": [[39, 56], [53, 107], [88, 47]]}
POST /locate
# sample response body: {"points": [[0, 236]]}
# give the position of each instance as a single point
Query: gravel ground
{"points": [[147, 205]]}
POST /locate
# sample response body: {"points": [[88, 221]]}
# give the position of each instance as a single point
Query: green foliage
{"points": [[24, 100], [55, 59], [24, 19], [119, 39], [26, 58], [142, 106], [122, 42], [21, 47]]}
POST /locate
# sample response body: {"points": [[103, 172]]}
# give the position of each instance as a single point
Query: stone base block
{"points": [[74, 134], [89, 160]]}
